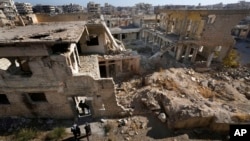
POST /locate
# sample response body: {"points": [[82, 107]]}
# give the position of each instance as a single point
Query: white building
{"points": [[9, 9], [24, 8], [93, 7]]}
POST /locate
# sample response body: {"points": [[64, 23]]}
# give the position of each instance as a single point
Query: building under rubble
{"points": [[46, 68]]}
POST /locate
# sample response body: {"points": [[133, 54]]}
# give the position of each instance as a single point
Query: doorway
{"points": [[83, 105]]}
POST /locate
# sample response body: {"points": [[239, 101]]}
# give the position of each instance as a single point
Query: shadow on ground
{"points": [[73, 139], [160, 130]]}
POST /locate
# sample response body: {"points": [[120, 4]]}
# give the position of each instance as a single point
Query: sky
{"points": [[128, 2]]}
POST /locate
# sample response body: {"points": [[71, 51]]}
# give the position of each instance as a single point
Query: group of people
{"points": [[75, 129]]}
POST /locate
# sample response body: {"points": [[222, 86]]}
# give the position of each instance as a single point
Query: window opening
{"points": [[60, 48], [37, 97], [93, 41], [103, 71], [4, 99], [16, 66]]}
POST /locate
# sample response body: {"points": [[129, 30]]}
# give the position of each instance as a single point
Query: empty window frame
{"points": [[60, 48], [93, 41], [37, 97], [4, 99]]}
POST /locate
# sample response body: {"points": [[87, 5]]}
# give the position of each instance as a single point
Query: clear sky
{"points": [[128, 2]]}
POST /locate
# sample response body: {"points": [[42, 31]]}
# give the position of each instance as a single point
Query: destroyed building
{"points": [[187, 34], [242, 29], [24, 8], [9, 9], [46, 68], [3, 19]]}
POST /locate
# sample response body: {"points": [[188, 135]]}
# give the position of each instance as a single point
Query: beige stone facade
{"points": [[45, 68], [206, 33]]}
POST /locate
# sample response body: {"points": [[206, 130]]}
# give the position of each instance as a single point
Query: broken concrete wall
{"points": [[102, 92], [33, 18], [48, 73], [106, 91], [54, 79], [137, 21], [118, 22], [62, 17], [23, 50], [119, 66], [21, 104], [95, 46], [3, 19], [130, 36]]}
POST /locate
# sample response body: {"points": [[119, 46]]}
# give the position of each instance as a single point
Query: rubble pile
{"points": [[183, 98], [241, 73], [128, 128], [239, 78]]}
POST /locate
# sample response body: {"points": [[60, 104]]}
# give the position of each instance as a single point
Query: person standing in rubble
{"points": [[83, 106], [75, 129], [87, 130]]}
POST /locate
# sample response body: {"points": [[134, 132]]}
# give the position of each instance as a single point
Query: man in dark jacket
{"points": [[76, 131], [87, 130], [83, 106]]}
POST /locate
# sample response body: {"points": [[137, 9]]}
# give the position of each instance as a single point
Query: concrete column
{"points": [[142, 34], [21, 20], [175, 49], [160, 41], [153, 38], [107, 68], [209, 59], [120, 37], [179, 52], [148, 37], [194, 54], [110, 24], [77, 56], [187, 53], [75, 62], [121, 64], [156, 39]]}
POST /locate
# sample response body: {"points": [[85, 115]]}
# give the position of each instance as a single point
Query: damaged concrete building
{"points": [[46, 68], [186, 34]]}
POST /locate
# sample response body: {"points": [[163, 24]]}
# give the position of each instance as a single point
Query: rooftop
{"points": [[117, 30], [43, 32]]}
